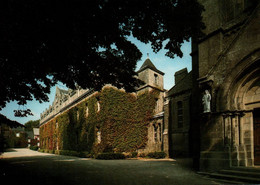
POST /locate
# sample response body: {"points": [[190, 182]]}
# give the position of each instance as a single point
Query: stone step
{"points": [[231, 177], [223, 181], [253, 174], [247, 169]]}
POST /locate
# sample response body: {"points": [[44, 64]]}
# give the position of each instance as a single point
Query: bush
{"points": [[41, 150], [110, 156], [134, 154], [157, 155], [34, 147], [142, 155], [69, 153]]}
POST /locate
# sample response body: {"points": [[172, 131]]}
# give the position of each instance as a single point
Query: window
{"points": [[98, 135], [156, 79], [159, 132], [180, 114], [155, 132], [56, 124], [98, 104], [86, 113], [77, 115], [156, 104]]}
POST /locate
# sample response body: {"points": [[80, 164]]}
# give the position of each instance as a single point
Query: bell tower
{"points": [[151, 76]]}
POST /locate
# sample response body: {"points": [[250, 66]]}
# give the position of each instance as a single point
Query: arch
{"points": [[241, 80]]}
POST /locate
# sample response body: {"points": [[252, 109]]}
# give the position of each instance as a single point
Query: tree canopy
{"points": [[85, 42], [29, 125]]}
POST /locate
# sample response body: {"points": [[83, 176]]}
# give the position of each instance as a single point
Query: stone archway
{"points": [[242, 99]]}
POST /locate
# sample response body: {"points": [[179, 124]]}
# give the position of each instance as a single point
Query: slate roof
{"points": [[183, 85], [149, 65], [10, 123]]}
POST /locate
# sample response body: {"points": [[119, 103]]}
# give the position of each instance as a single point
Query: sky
{"points": [[165, 64]]}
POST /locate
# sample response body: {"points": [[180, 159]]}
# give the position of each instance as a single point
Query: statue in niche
{"points": [[206, 102]]}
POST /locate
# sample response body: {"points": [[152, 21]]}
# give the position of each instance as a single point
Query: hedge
{"points": [[34, 147], [156, 155], [110, 156]]}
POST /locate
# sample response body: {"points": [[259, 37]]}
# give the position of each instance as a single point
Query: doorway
{"points": [[256, 115]]}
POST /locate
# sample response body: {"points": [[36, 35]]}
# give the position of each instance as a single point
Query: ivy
{"points": [[122, 120]]}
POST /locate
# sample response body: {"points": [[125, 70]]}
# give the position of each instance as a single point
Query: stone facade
{"points": [[179, 97], [226, 61], [153, 79]]}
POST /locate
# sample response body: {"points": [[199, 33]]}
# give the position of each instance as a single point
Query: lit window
{"points": [[98, 104], [86, 113], [77, 115], [98, 135]]}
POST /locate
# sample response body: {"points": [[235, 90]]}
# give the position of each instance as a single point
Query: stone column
{"points": [[166, 128]]}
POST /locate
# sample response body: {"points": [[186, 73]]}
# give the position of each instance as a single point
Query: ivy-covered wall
{"points": [[108, 121]]}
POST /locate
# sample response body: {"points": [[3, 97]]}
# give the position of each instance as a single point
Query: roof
{"points": [[10, 123], [149, 65], [182, 86]]}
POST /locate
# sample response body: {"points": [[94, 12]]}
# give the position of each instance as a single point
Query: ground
{"points": [[24, 166]]}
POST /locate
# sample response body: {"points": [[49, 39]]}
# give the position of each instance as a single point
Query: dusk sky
{"points": [[165, 64]]}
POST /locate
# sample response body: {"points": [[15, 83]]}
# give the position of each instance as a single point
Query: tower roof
{"points": [[149, 65]]}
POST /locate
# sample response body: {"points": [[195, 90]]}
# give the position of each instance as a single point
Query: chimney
{"points": [[179, 75]]}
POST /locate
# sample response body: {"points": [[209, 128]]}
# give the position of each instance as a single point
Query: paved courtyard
{"points": [[23, 166]]}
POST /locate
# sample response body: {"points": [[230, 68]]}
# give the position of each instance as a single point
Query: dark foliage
{"points": [[34, 147], [156, 155], [29, 125], [110, 156], [84, 42]]}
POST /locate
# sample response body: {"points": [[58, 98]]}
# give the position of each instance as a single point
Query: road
{"points": [[23, 166]]}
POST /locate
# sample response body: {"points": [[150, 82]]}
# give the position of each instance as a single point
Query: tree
{"points": [[29, 125], [85, 42]]}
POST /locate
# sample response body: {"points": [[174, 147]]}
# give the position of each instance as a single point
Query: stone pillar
{"points": [[215, 141], [166, 128]]}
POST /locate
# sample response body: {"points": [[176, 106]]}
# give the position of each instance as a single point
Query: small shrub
{"points": [[34, 147], [57, 152], [85, 155], [142, 155], [134, 154], [157, 155], [41, 150], [69, 153], [110, 156]]}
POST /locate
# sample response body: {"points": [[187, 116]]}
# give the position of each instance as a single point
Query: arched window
{"points": [[98, 104], [98, 139], [86, 113]]}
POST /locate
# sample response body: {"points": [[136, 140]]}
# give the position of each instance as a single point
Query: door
{"points": [[257, 136]]}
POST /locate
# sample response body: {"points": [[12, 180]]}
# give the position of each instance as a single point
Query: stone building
{"points": [[179, 97], [67, 99], [153, 79], [226, 62]]}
